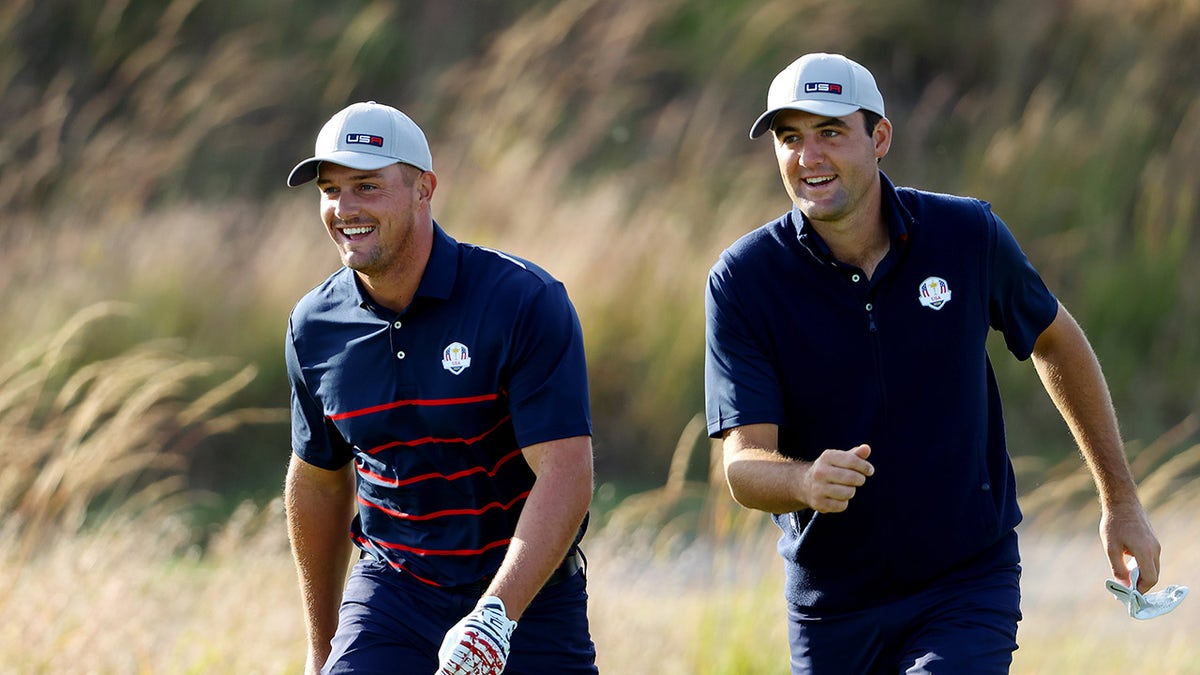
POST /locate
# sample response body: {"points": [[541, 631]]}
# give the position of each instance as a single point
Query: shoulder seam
{"points": [[504, 255]]}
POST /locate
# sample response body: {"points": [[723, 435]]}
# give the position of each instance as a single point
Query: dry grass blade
{"points": [[1168, 480], [79, 436], [204, 405]]}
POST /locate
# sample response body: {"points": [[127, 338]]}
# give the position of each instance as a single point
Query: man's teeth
{"points": [[818, 181], [351, 231]]}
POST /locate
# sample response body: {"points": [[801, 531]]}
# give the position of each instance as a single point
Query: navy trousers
{"points": [[964, 624], [390, 623]]}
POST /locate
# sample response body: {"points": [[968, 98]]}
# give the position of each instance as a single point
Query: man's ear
{"points": [[426, 185], [883, 138]]}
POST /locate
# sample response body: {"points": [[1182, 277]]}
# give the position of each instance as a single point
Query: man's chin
{"points": [[820, 211], [358, 263]]}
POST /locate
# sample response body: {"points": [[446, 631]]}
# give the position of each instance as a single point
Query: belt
{"points": [[570, 567]]}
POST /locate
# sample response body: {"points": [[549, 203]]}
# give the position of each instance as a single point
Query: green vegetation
{"points": [[682, 581], [151, 253], [605, 139]]}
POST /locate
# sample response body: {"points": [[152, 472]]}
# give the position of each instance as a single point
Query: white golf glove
{"points": [[478, 644], [1148, 605]]}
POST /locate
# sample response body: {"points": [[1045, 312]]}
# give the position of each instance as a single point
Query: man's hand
{"points": [[834, 477], [1125, 531], [479, 643]]}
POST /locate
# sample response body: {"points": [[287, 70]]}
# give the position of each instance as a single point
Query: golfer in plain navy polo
{"points": [[847, 373]]}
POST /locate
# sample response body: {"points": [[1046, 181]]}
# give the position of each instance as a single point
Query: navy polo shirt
{"points": [[898, 361], [434, 404]]}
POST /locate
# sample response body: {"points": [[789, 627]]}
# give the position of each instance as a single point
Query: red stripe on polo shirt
{"points": [[366, 543], [442, 514], [416, 401], [395, 482], [431, 439], [454, 552]]}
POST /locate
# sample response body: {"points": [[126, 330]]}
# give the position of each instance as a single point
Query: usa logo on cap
{"points": [[822, 88], [364, 139]]}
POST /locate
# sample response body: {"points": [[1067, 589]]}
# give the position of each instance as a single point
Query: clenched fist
{"points": [[835, 476]]}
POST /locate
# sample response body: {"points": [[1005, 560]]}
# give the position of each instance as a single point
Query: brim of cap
{"points": [[826, 108], [307, 170]]}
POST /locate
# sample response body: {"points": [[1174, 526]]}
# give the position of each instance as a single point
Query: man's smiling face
{"points": [[370, 214], [828, 164]]}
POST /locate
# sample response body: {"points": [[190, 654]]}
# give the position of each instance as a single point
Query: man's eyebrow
{"points": [[833, 122], [371, 175], [823, 124]]}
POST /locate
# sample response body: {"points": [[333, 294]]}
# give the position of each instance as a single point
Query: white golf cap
{"points": [[366, 136], [821, 84]]}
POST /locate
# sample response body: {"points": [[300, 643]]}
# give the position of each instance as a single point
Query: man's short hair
{"points": [[871, 119]]}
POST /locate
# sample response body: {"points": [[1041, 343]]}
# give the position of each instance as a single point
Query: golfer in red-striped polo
{"points": [[440, 430]]}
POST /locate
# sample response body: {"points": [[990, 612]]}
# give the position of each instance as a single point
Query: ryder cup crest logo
{"points": [[456, 358], [935, 293]]}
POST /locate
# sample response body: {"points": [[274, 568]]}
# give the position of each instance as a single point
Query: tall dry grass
{"points": [[94, 494], [682, 581], [606, 141], [105, 438]]}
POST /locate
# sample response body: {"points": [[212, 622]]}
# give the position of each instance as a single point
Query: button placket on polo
{"points": [[396, 325], [405, 341], [407, 350], [859, 281]]}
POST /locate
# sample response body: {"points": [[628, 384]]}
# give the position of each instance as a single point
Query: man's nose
{"points": [[810, 154], [344, 205]]}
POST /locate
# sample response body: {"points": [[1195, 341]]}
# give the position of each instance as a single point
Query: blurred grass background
{"points": [[150, 255]]}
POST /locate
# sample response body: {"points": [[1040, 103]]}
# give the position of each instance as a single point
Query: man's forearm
{"points": [[318, 516], [764, 480], [549, 521], [1072, 376], [758, 476], [321, 571]]}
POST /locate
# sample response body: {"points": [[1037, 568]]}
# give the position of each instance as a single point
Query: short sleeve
{"points": [[547, 383], [314, 438], [740, 384], [1020, 305]]}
